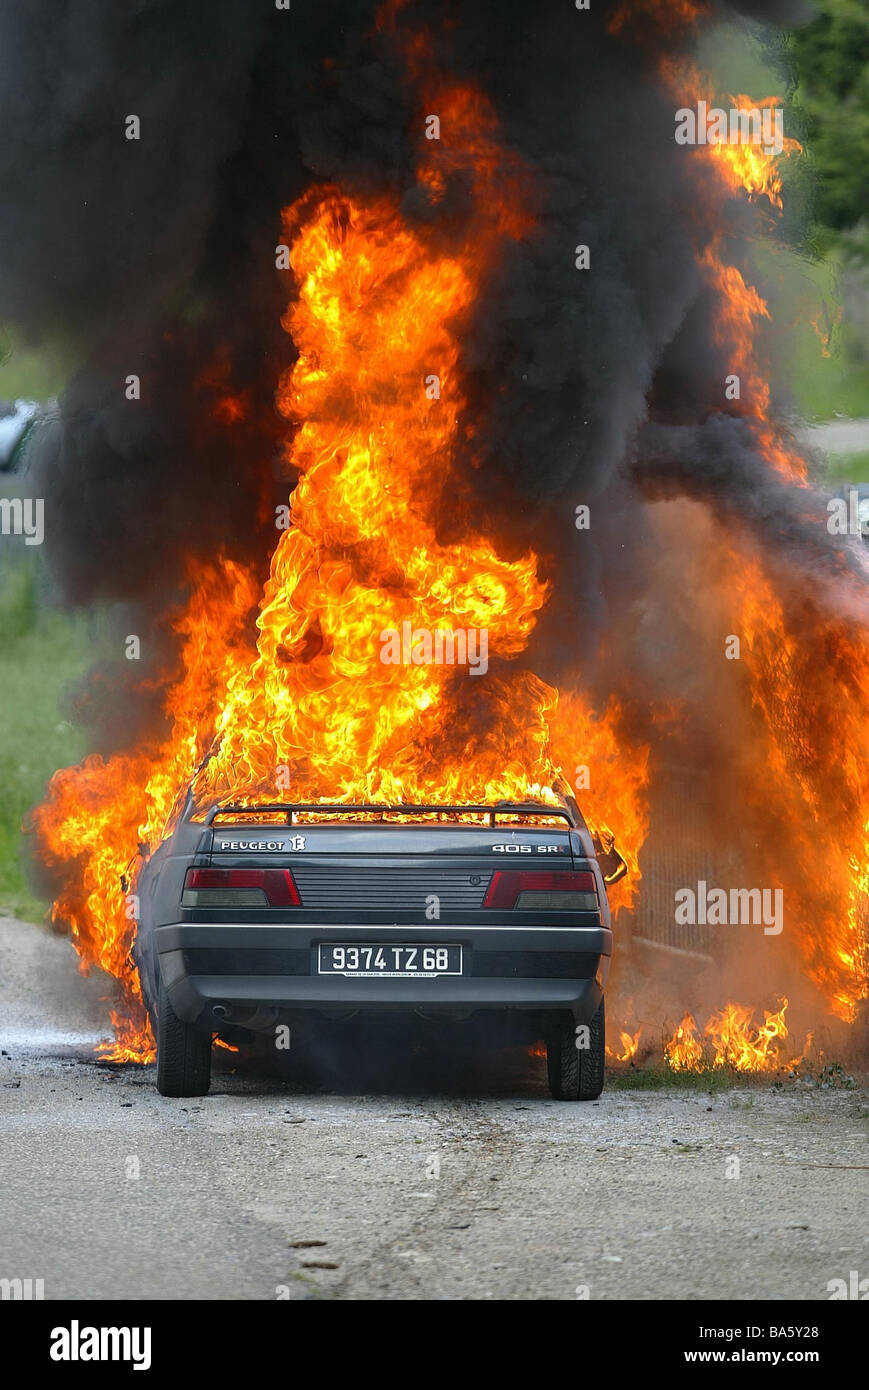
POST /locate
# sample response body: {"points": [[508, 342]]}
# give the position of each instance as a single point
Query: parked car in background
{"points": [[16, 421]]}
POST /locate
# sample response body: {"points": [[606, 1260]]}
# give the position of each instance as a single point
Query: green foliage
{"points": [[17, 601], [40, 653], [831, 58], [662, 1077], [819, 359], [854, 468], [33, 374]]}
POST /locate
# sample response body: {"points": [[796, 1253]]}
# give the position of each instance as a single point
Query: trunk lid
{"points": [[365, 866]]}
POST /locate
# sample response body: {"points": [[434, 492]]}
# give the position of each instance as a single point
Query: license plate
{"points": [[385, 962]]}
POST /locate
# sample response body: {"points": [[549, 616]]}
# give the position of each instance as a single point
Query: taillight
{"points": [[239, 888], [543, 892]]}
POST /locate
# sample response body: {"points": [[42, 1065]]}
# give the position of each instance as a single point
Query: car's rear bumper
{"points": [[246, 971]]}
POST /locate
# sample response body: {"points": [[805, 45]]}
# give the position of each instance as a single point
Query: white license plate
{"points": [[425, 962]]}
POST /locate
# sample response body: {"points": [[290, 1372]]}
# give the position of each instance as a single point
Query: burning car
{"points": [[252, 916], [428, 424]]}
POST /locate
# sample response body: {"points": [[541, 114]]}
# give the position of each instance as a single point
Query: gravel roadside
{"points": [[482, 1188]]}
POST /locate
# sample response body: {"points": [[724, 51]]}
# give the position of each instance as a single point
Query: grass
{"points": [[662, 1077], [826, 387], [28, 374], [852, 467], [831, 1077], [40, 652], [825, 374]]}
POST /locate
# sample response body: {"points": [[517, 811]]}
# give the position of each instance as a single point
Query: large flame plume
{"points": [[313, 712]]}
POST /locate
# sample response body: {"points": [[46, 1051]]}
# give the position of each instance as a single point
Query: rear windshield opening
{"points": [[387, 815]]}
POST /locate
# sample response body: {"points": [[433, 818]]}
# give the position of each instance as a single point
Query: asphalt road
{"points": [[411, 1179], [837, 436]]}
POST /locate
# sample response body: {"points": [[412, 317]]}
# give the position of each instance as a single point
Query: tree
{"points": [[831, 57]]}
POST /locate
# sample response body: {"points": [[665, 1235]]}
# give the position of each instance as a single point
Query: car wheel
{"points": [[183, 1053], [577, 1073]]}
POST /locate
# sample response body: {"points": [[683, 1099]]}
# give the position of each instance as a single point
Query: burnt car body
{"points": [[251, 918]]}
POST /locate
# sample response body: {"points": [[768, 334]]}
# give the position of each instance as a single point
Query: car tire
{"points": [[577, 1073], [183, 1053]]}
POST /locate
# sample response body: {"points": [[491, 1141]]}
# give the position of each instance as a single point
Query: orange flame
{"points": [[610, 770], [818, 794], [750, 167], [730, 1039], [661, 19], [825, 809], [319, 707], [747, 164], [312, 712], [630, 1042], [95, 815]]}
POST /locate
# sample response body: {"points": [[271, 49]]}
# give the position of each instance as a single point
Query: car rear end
{"points": [[443, 912]]}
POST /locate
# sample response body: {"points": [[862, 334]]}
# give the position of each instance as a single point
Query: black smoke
{"points": [[155, 257]]}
